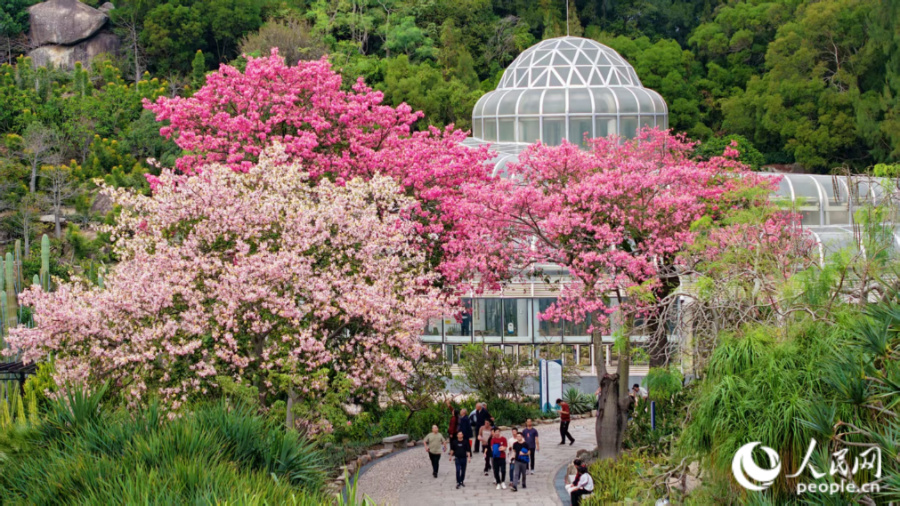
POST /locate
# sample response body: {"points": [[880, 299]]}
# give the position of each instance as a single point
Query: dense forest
{"points": [[809, 82]]}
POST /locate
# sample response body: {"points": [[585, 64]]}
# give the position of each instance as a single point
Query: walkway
{"points": [[405, 479]]}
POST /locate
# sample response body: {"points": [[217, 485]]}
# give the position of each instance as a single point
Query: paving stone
{"points": [[406, 480]]}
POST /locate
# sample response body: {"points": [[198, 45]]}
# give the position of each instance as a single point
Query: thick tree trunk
{"points": [[658, 339], [612, 418]]}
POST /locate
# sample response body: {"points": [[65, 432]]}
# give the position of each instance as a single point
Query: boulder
{"points": [[66, 56], [64, 22], [102, 204], [105, 8]]}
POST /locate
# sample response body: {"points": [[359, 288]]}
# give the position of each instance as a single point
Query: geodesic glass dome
{"points": [[567, 88]]}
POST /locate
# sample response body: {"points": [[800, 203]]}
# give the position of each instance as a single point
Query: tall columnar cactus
{"points": [[36, 280], [45, 262], [11, 305], [20, 276], [4, 324]]}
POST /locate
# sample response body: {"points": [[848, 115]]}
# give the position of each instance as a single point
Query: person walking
{"points": [[484, 436], [512, 456], [454, 419], [520, 461], [564, 419], [532, 441], [479, 416], [460, 450], [498, 456], [464, 425], [582, 486], [435, 444]]}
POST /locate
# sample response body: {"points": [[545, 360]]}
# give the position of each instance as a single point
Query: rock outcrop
{"points": [[67, 31]]}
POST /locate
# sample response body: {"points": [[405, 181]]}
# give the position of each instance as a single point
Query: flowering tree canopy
{"points": [[338, 135], [255, 275], [616, 215]]}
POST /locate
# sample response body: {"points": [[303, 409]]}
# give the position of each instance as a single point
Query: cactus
{"points": [[45, 262], [4, 324], [20, 276], [10, 290]]}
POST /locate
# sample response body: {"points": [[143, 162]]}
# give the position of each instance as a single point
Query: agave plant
{"points": [[579, 402]]}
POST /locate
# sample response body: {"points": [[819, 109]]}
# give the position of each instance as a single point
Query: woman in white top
{"points": [[583, 485]]}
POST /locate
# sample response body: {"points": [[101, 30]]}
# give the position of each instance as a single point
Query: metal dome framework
{"points": [[567, 88]]}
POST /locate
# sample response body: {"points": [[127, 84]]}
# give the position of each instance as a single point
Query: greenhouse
{"points": [[567, 88]]}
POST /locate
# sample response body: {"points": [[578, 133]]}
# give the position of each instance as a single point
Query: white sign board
{"points": [[551, 383]]}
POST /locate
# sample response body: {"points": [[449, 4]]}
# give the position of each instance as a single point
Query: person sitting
{"points": [[582, 485]]}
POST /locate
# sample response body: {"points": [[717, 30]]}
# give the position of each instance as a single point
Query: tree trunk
{"points": [[658, 339], [289, 416], [56, 213], [612, 418], [34, 167]]}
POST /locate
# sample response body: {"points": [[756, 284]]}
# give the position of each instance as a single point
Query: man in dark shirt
{"points": [[479, 416], [521, 455], [564, 418], [531, 439], [462, 452], [465, 426]]}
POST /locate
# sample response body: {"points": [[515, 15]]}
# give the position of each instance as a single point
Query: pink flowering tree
{"points": [[257, 276], [338, 134], [617, 216]]}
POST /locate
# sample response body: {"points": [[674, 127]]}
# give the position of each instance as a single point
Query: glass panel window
{"points": [[604, 101], [490, 105], [530, 103], [810, 218], [584, 355], [580, 101], [627, 102], [526, 355], [663, 121], [433, 327], [577, 328], [508, 103], [554, 102], [479, 106], [460, 325], [648, 121], [488, 320], [529, 130], [629, 126], [578, 127], [476, 128], [490, 129], [547, 328], [515, 318], [606, 126], [554, 131], [644, 101], [507, 130]]}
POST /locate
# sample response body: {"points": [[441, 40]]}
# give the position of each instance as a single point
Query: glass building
{"points": [[574, 88], [566, 88]]}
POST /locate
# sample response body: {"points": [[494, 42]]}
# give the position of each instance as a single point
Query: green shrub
{"points": [[622, 480], [82, 454]]}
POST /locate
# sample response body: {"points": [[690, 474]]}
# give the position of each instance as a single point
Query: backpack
{"points": [[523, 456], [495, 448]]}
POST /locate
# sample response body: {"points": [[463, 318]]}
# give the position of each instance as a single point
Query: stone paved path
{"points": [[405, 479]]}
